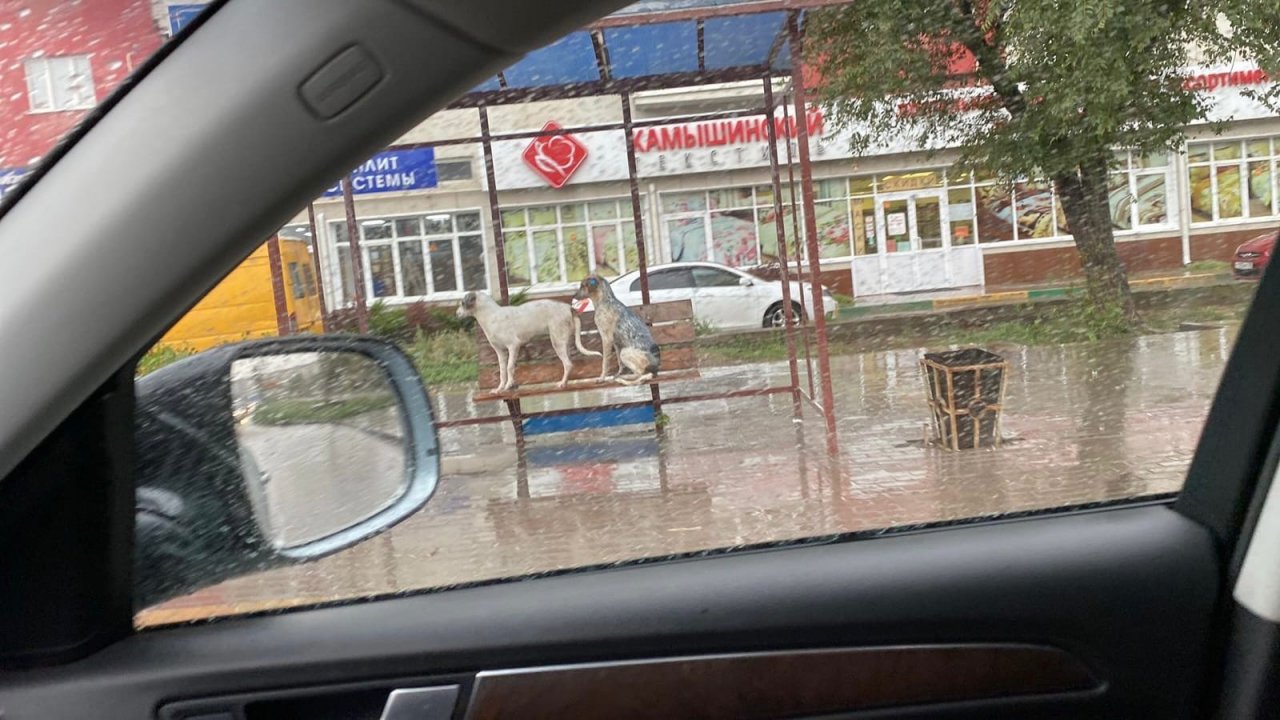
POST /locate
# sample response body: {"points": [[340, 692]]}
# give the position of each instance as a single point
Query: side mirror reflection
{"points": [[267, 453]]}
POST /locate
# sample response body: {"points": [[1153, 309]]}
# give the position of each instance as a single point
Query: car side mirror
{"points": [[275, 452], [745, 282]]}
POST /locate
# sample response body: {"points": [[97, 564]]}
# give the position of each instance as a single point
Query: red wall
{"points": [[118, 35]]}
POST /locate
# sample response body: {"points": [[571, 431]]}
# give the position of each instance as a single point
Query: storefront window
{"points": [[415, 256], [1152, 189], [560, 245], [863, 224], [1230, 203], [897, 228], [413, 269], [749, 236], [515, 249], [1200, 183], [995, 213], [733, 238], [767, 230], [382, 271], [833, 227], [1121, 200], [443, 272], [929, 221], [1232, 179], [1035, 202], [687, 238], [961, 216]]}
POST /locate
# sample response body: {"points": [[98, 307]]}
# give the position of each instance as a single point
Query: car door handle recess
{"points": [[426, 703]]}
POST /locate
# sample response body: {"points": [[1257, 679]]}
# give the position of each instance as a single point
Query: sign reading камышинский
{"points": [[392, 171]]}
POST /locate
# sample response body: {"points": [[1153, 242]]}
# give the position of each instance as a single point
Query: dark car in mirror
{"points": [[275, 452]]}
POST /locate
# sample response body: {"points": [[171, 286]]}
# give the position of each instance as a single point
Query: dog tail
{"points": [[577, 336]]}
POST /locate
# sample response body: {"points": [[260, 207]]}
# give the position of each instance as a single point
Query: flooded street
{"points": [[1083, 423]]}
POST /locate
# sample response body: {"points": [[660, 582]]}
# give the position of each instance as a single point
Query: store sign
{"points": [[392, 171], [181, 15], [1226, 78], [897, 223], [739, 143], [555, 158], [9, 179], [911, 181], [720, 133], [1233, 93]]}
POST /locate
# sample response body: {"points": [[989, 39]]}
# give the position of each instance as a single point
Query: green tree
{"points": [[1055, 89]]}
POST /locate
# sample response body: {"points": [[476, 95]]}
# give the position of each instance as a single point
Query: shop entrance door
{"points": [[917, 253]]}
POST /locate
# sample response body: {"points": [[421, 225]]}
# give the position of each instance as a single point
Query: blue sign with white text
{"points": [[9, 179], [181, 15], [392, 171]]}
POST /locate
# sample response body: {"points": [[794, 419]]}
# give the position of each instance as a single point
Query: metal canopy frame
{"points": [[816, 392]]}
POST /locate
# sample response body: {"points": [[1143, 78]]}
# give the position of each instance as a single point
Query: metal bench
{"points": [[538, 372]]}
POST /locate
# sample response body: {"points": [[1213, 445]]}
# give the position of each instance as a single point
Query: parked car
{"points": [[722, 296], [1251, 258]]}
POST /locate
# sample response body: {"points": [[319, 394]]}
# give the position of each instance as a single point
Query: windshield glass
{"points": [[705, 275]]}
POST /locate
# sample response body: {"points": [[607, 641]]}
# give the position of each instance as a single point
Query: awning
{"points": [[654, 44]]}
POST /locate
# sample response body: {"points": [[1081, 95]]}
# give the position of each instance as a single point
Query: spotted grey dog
{"points": [[508, 328], [621, 332]]}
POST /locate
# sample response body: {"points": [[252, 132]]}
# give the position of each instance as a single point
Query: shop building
{"points": [[50, 78], [895, 219]]}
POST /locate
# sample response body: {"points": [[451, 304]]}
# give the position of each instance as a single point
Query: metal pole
{"points": [[315, 263], [514, 408], [636, 211], [357, 258], [811, 230], [637, 215], [795, 232], [781, 225], [283, 326], [495, 212]]}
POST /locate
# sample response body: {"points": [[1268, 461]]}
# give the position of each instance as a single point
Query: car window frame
{"points": [[667, 272], [708, 270]]}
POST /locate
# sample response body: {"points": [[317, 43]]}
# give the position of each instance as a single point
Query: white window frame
{"points": [[453, 237], [1242, 164], [624, 217], [45, 65]]}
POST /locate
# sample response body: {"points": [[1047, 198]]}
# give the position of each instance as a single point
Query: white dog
{"points": [[508, 328]]}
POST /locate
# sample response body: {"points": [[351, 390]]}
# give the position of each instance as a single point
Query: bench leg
{"points": [[522, 464]]}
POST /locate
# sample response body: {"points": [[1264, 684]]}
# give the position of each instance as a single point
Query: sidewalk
{"points": [[1007, 295]]}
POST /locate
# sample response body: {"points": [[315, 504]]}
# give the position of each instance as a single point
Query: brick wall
{"points": [[1026, 267]]}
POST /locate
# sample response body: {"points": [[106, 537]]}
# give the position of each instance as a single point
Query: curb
{"points": [[1013, 297]]}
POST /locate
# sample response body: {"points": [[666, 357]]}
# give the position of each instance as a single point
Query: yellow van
{"points": [[243, 305]]}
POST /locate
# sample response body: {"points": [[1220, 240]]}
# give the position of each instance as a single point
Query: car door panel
{"points": [[721, 300], [1068, 583]]}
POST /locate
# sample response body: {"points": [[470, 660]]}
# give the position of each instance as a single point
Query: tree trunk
{"points": [[1085, 202]]}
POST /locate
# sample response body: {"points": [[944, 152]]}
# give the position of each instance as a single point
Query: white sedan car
{"points": [[723, 297]]}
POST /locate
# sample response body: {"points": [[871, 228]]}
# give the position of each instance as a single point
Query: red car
{"points": [[1252, 257]]}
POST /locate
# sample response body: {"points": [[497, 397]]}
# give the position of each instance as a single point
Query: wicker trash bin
{"points": [[966, 394]]}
